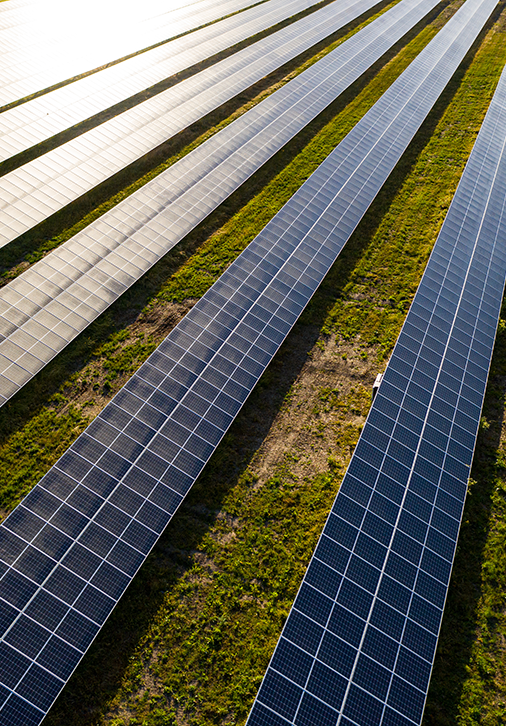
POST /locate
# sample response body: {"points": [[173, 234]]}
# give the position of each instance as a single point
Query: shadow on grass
{"points": [[40, 238], [101, 671], [458, 630], [36, 394]]}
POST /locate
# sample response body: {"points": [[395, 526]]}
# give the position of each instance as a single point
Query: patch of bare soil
{"points": [[309, 423]]}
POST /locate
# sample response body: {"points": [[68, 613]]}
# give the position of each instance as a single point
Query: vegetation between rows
{"points": [[191, 638]]}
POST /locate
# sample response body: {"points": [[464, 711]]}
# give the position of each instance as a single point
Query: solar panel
{"points": [[31, 193], [46, 307], [359, 642], [41, 118], [71, 547], [33, 47]]}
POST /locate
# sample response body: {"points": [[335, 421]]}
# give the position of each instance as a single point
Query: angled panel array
{"points": [[359, 643], [46, 307], [43, 186], [69, 550], [32, 52], [41, 118]]}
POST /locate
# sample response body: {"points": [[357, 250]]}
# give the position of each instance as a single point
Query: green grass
{"points": [[189, 282], [190, 640]]}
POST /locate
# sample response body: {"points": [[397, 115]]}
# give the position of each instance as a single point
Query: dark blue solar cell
{"points": [[383, 507], [94, 604], [312, 603], [280, 694], [390, 489], [425, 614], [363, 574], [327, 685], [372, 676], [379, 646], [291, 662], [303, 632], [362, 471], [354, 598], [11, 546], [26, 636], [139, 536], [337, 654], [39, 687], [406, 699], [112, 519], [41, 502], [110, 580], [7, 616], [362, 708], [332, 554], [340, 531], [77, 630], [392, 718], [407, 547], [348, 510], [18, 711], [24, 523], [401, 570], [261, 716], [35, 565], [394, 594], [59, 657], [370, 550], [100, 482], [12, 665], [16, 589], [86, 502], [445, 524], [423, 488], [323, 578], [416, 528], [377, 528], [346, 625], [413, 669]]}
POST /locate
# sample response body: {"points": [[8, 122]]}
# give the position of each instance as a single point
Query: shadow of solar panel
{"points": [[203, 176], [381, 632], [133, 513]]}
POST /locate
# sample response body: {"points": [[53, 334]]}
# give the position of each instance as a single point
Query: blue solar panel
{"points": [[41, 187], [43, 309], [359, 642], [71, 547]]}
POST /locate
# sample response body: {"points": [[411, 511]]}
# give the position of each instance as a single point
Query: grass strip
{"points": [[223, 577]]}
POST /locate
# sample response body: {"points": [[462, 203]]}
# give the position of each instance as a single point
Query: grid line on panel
{"points": [[24, 126], [395, 684], [93, 156], [137, 30], [197, 176], [160, 465]]}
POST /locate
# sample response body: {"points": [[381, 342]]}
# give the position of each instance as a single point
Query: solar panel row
{"points": [[31, 193], [71, 547], [35, 121], [32, 52], [46, 307], [359, 643]]}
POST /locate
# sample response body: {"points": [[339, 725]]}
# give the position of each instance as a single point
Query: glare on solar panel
{"points": [[73, 544]]}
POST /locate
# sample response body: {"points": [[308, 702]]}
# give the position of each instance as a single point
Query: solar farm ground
{"points": [[189, 642]]}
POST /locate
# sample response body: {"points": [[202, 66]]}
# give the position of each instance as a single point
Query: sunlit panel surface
{"points": [[359, 643], [31, 193], [39, 119], [72, 546], [47, 306], [57, 41]]}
